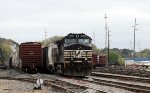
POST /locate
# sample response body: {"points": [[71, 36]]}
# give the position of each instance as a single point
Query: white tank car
{"points": [[15, 60], [49, 57], [52, 49]]}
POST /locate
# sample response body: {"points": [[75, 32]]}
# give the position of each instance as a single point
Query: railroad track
{"points": [[122, 77], [56, 84], [64, 81], [20, 79], [48, 83], [64, 86], [120, 82], [69, 87]]}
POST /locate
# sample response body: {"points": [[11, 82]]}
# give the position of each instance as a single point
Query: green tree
{"points": [[5, 48], [5, 51], [144, 53], [121, 60], [96, 50], [115, 59], [126, 53], [51, 40]]}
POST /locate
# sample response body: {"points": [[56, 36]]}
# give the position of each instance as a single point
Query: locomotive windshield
{"points": [[77, 39], [84, 41], [70, 41], [80, 41]]}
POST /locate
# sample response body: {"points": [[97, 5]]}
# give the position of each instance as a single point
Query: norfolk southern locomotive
{"points": [[72, 55]]}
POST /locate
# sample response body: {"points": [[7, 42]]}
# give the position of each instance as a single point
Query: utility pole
{"points": [[135, 24], [106, 39], [105, 31], [108, 46], [45, 36], [94, 36]]}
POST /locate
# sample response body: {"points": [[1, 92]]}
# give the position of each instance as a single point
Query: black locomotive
{"points": [[71, 55]]}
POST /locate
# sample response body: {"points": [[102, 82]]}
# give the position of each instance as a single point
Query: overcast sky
{"points": [[26, 20]]}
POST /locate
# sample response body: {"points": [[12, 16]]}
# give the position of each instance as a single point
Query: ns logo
{"points": [[78, 53]]}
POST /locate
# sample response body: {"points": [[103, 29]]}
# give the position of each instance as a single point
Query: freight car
{"points": [[30, 55], [14, 60], [98, 60], [49, 58], [72, 55]]}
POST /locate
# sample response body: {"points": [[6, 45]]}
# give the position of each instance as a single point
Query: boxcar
{"points": [[94, 60], [98, 60], [101, 60], [30, 54]]}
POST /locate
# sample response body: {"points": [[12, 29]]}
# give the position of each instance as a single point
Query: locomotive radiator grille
{"points": [[77, 55]]}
